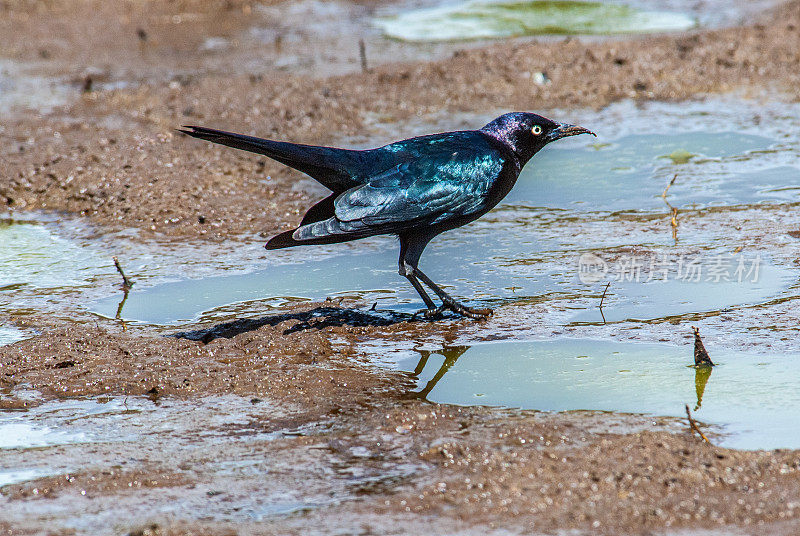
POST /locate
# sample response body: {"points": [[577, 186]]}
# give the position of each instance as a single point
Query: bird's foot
{"points": [[431, 313], [477, 314]]}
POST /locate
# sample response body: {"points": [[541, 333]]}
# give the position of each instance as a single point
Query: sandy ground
{"points": [[112, 156]]}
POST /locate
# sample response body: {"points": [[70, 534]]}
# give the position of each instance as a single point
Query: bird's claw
{"points": [[476, 314]]}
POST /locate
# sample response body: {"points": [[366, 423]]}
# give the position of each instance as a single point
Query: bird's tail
{"points": [[329, 231], [332, 167], [287, 240], [283, 240]]}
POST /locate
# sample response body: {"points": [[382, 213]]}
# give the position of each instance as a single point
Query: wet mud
{"points": [[279, 417]]}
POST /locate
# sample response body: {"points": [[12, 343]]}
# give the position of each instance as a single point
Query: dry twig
{"points": [[664, 193], [694, 427], [603, 297], [673, 211], [126, 283], [362, 53]]}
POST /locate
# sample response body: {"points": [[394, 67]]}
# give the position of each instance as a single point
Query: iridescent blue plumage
{"points": [[429, 183], [415, 188]]}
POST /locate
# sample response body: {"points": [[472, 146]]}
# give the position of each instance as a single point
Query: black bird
{"points": [[415, 188]]}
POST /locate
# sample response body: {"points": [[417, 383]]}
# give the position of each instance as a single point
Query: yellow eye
{"points": [[536, 130]]}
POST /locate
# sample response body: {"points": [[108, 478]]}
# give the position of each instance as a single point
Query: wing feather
{"points": [[425, 191]]}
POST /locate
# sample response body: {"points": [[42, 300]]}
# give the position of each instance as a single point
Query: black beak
{"points": [[565, 130]]}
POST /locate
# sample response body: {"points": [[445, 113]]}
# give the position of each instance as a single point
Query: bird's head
{"points": [[526, 133]]}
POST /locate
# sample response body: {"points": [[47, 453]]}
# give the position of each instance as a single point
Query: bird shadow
{"points": [[313, 319]]}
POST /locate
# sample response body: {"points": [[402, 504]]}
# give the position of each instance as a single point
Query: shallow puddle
{"points": [[487, 20], [15, 433], [10, 335], [21, 90], [106, 419], [45, 266], [31, 255], [58, 264], [646, 289], [631, 172], [50, 431], [14, 477], [754, 399], [635, 295]]}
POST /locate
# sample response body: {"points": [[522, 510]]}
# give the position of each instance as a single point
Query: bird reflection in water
{"points": [[450, 354]]}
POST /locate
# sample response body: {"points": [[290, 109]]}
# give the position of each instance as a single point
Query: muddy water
{"points": [[506, 276], [581, 197], [51, 263], [32, 255], [9, 335], [22, 87], [622, 174], [214, 458], [585, 214]]}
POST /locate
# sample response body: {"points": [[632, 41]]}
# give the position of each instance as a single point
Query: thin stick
{"points": [[120, 306], [693, 425], [664, 193], [674, 211], [126, 283], [603, 297], [362, 53]]}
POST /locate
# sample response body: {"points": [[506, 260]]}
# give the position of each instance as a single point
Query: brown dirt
{"points": [[649, 480], [288, 358], [104, 482], [113, 157]]}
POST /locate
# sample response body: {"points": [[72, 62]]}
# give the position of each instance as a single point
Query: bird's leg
{"points": [[408, 272], [421, 291], [448, 302]]}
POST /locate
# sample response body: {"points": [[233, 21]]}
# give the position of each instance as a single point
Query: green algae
{"points": [[493, 20]]}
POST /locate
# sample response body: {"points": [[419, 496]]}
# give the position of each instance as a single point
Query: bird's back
{"points": [[342, 169], [434, 182], [376, 161]]}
